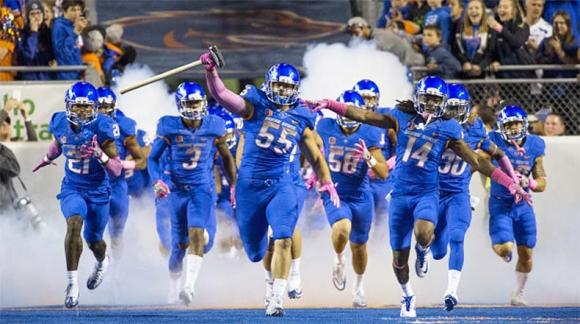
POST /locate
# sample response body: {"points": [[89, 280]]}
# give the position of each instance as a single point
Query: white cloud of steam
{"points": [[334, 68], [147, 104]]}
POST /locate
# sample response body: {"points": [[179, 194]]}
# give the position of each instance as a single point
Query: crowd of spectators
{"points": [[467, 38], [58, 33]]}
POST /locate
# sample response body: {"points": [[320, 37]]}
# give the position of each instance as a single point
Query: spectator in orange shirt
{"points": [[9, 37]]}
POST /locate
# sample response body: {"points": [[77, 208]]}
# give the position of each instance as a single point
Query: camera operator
{"points": [[10, 200]]}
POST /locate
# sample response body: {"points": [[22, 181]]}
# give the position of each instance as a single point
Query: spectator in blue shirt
{"points": [[65, 37], [35, 48], [440, 17], [438, 58], [572, 7], [561, 48]]}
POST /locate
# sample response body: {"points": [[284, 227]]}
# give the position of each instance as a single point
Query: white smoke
{"points": [[334, 68], [147, 104]]}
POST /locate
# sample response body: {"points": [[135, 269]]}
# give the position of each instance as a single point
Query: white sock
{"points": [[295, 266], [407, 290], [105, 262], [453, 278], [72, 277], [521, 279], [358, 283], [193, 266], [268, 275], [340, 258], [279, 287]]}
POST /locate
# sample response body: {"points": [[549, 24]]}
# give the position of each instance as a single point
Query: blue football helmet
{"points": [[430, 96], [370, 93], [81, 103], [107, 101], [458, 104], [350, 97], [282, 84], [512, 114], [230, 123], [191, 101]]}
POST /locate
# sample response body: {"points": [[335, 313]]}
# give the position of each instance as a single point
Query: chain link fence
{"points": [[561, 96]]}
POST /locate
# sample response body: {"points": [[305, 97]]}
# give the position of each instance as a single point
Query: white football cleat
{"points": [[338, 276], [518, 299], [186, 295], [71, 297], [96, 278], [408, 307], [275, 307], [422, 261], [294, 285], [359, 299]]}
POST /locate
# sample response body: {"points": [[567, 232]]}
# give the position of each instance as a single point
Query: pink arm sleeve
{"points": [[114, 166], [54, 151], [225, 97], [507, 167], [391, 162], [501, 178]]}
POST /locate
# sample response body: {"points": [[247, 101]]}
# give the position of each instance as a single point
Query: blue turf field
{"points": [[95, 314]]}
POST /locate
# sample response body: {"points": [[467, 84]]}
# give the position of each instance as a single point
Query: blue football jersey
{"points": [[124, 127], [271, 135], [534, 147], [454, 173], [419, 151], [347, 171], [138, 179], [82, 173], [190, 151], [387, 147]]}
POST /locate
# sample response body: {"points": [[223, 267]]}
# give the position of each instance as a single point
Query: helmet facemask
{"points": [[429, 106], [457, 109], [81, 112], [282, 92], [513, 129], [371, 100], [194, 109]]}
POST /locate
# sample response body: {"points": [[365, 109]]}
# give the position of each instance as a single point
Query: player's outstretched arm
{"points": [[538, 180], [54, 151], [484, 166], [225, 97], [361, 115], [312, 153], [136, 152], [230, 168]]}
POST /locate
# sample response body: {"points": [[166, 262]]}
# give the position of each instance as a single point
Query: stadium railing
{"points": [[560, 95]]}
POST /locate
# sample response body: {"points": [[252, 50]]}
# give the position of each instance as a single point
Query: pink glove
{"points": [[93, 151], [208, 62], [43, 162], [506, 166], [362, 152], [526, 182], [311, 181], [514, 188], [331, 189], [233, 196], [161, 189], [532, 183], [391, 162], [128, 164]]}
